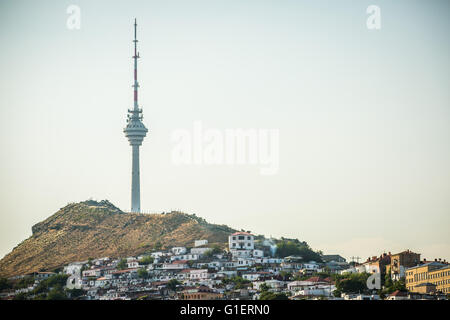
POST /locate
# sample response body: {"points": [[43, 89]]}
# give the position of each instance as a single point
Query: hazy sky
{"points": [[363, 115]]}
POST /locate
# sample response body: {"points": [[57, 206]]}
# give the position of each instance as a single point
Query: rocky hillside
{"points": [[96, 229]]}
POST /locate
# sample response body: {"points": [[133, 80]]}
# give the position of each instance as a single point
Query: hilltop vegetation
{"points": [[88, 229], [95, 229], [294, 247]]}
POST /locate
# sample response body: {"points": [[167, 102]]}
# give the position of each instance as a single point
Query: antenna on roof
{"points": [[357, 259]]}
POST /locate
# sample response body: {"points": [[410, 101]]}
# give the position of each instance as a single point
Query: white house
{"points": [[266, 260], [158, 254], [133, 264], [227, 273], [185, 257], [398, 295], [175, 265], [251, 276], [312, 265], [73, 268], [241, 253], [274, 284], [199, 251], [101, 261], [43, 275], [372, 267], [241, 241], [178, 250], [101, 282], [215, 264], [320, 290], [299, 285], [360, 297], [198, 274], [199, 243], [356, 269], [92, 273], [258, 253], [243, 262]]}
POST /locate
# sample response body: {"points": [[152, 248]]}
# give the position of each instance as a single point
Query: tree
{"points": [[273, 296], [21, 296], [5, 284], [142, 273], [392, 286], [25, 282], [158, 245], [264, 287], [122, 264], [147, 260], [267, 295], [352, 283], [75, 293], [239, 282], [172, 284], [57, 280], [337, 293], [285, 275], [211, 252], [291, 247], [56, 293], [388, 280]]}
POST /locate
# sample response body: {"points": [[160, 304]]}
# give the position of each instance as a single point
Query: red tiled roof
{"points": [[122, 271], [398, 293], [158, 283], [317, 279], [186, 270], [179, 261], [241, 233]]}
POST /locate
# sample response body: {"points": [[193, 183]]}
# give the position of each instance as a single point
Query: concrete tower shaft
{"points": [[135, 131]]}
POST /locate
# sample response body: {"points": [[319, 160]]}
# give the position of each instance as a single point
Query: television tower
{"points": [[135, 131]]}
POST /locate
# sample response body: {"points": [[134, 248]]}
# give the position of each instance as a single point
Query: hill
{"points": [[87, 229]]}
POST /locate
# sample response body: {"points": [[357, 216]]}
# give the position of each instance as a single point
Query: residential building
{"points": [[401, 261], [176, 265], [43, 275], [198, 274], [434, 273], [200, 293], [333, 258], [92, 273], [199, 250], [178, 250], [377, 264], [241, 241], [251, 276], [133, 264], [185, 257], [199, 243], [398, 295]]}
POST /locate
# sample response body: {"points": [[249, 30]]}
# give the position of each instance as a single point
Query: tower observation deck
{"points": [[135, 131]]}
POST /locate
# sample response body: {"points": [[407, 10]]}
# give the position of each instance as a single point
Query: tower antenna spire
{"points": [[135, 131], [135, 57]]}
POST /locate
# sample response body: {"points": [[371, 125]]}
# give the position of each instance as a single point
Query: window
{"points": [[241, 238]]}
